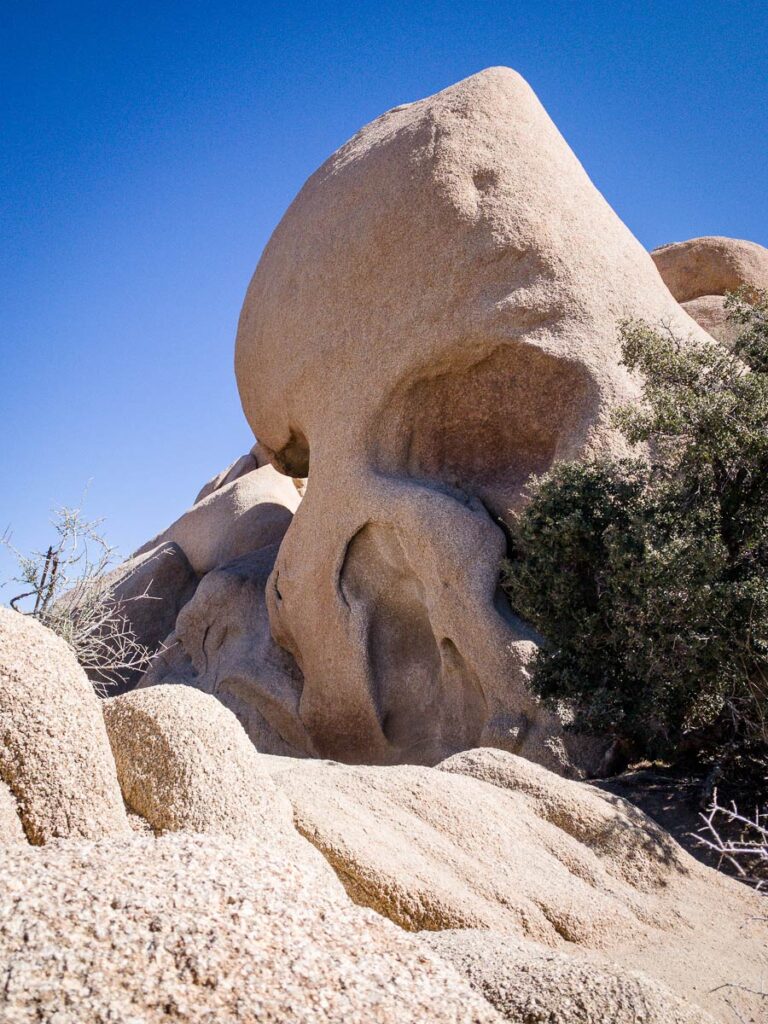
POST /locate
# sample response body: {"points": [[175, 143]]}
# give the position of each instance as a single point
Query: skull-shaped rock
{"points": [[434, 319]]}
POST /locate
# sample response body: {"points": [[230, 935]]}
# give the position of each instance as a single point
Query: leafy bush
{"points": [[648, 576], [69, 589]]}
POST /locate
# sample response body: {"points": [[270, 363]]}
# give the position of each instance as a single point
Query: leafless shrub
{"points": [[68, 589], [740, 842]]}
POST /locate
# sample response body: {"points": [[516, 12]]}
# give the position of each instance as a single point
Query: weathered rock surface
{"points": [[185, 763], [54, 752], [201, 929], [11, 830], [433, 319], [530, 984], [710, 313], [549, 860], [222, 645], [711, 265], [700, 271], [238, 518]]}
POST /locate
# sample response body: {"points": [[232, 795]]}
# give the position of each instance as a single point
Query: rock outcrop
{"points": [[700, 271], [54, 752], [530, 984], [201, 929], [238, 518], [223, 645], [433, 319], [548, 860]]}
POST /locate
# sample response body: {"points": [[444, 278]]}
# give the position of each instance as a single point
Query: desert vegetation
{"points": [[647, 574], [68, 588]]}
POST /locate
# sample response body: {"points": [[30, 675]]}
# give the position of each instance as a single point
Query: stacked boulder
{"points": [[701, 271], [155, 866]]}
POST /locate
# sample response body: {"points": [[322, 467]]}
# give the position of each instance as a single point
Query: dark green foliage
{"points": [[649, 576]]}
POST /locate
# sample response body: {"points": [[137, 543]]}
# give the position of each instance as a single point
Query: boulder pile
{"points": [[332, 797]]}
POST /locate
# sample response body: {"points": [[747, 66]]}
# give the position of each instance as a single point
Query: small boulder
{"points": [[184, 762], [54, 752]]}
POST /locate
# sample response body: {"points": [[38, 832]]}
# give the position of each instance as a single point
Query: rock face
{"points": [[201, 929], [251, 512], [700, 271], [54, 752], [530, 984], [548, 860], [433, 319], [222, 645], [184, 763], [711, 265]]}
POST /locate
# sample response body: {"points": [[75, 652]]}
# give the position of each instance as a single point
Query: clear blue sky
{"points": [[149, 149]]}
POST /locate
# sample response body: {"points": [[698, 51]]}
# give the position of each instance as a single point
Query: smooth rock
{"points": [[434, 318], [711, 265], [249, 513]]}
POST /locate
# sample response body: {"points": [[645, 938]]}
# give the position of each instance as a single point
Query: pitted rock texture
{"points": [[530, 984], [206, 929], [546, 859], [185, 763], [250, 512], [54, 752], [434, 318], [222, 645], [11, 830]]}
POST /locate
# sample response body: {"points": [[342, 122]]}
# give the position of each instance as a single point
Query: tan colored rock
{"points": [[222, 645], [530, 984], [54, 752], [201, 929], [567, 868], [238, 518], [711, 265], [11, 830], [434, 318], [147, 593], [710, 313], [185, 763], [245, 464]]}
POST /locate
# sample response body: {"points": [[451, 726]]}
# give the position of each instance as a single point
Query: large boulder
{"points": [[530, 984], [222, 645], [434, 318], [206, 928], [185, 763], [54, 753], [711, 265], [549, 860], [250, 512], [700, 271]]}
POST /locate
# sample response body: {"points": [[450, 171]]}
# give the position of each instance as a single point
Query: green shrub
{"points": [[648, 576]]}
